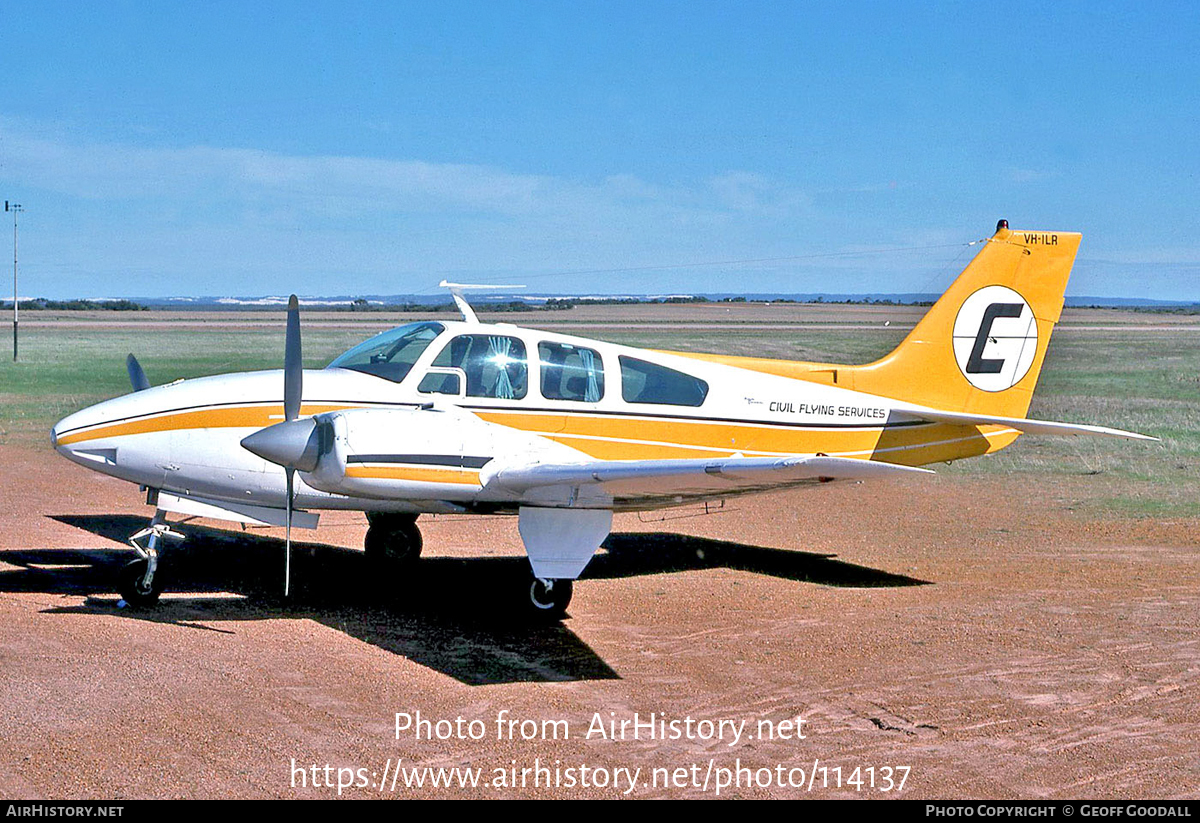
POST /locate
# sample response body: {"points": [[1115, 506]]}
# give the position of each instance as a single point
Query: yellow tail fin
{"points": [[979, 349], [981, 346]]}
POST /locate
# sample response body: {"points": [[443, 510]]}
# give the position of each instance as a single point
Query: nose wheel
{"points": [[132, 585], [140, 582]]}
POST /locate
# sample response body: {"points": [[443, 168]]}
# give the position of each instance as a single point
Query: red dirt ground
{"points": [[989, 633]]}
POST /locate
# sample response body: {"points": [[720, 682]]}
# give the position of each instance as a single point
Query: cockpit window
{"points": [[390, 355], [495, 365]]}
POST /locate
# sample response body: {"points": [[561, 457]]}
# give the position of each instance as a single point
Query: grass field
{"points": [[1113, 368]]}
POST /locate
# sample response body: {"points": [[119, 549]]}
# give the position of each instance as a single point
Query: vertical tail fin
{"points": [[980, 348]]}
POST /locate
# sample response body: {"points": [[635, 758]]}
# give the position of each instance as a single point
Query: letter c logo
{"points": [[995, 338]]}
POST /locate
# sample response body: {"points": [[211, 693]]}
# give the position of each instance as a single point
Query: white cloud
{"points": [[242, 219], [107, 171], [132, 219]]}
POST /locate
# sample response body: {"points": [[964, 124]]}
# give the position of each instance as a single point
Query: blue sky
{"points": [[259, 148]]}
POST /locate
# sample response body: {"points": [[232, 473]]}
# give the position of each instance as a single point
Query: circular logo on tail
{"points": [[995, 338]]}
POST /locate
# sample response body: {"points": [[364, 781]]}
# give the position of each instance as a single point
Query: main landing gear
{"points": [[393, 546], [548, 599], [393, 542], [140, 582]]}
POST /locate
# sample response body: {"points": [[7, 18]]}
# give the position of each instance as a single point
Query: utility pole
{"points": [[16, 209]]}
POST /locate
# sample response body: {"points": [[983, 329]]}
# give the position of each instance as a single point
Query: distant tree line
{"points": [[1193, 308], [42, 304]]}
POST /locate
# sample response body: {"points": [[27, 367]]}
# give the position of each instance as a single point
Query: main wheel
{"points": [[129, 584], [392, 543], [548, 599]]}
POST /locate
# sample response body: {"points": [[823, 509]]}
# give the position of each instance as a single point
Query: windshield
{"points": [[390, 355]]}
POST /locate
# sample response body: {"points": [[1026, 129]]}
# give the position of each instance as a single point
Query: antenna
{"points": [[16, 209], [457, 289]]}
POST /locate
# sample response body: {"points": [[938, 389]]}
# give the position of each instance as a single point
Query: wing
{"points": [[677, 481], [238, 512]]}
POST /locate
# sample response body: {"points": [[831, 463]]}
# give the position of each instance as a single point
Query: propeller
{"points": [[293, 390], [136, 376], [293, 443]]}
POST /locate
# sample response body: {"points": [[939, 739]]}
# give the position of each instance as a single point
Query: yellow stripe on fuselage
{"points": [[226, 417], [416, 474]]}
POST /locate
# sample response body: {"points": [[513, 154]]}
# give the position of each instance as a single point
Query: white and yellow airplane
{"points": [[470, 417]]}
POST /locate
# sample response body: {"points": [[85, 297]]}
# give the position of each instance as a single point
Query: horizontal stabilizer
{"points": [[1021, 424]]}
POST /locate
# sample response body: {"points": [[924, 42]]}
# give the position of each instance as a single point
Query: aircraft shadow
{"points": [[631, 554], [452, 615]]}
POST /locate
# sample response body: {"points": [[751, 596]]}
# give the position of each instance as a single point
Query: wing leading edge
{"points": [[702, 477]]}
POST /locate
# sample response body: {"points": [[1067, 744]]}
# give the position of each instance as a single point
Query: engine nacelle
{"points": [[415, 454]]}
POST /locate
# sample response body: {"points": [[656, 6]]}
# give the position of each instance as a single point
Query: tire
{"points": [[548, 603], [129, 584], [393, 545]]}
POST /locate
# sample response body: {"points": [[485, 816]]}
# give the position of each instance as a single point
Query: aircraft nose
{"points": [[70, 436], [80, 437], [60, 434], [69, 422]]}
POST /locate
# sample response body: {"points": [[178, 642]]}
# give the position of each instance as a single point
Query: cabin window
{"points": [[643, 382], [440, 382], [571, 372], [495, 365], [390, 355]]}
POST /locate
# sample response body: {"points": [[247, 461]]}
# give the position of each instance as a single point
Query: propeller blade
{"points": [[285, 443], [293, 363], [136, 376], [287, 560]]}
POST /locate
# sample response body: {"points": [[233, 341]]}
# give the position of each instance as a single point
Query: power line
{"points": [[746, 261]]}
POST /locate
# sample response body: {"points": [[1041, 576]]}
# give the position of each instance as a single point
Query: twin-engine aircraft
{"points": [[468, 417]]}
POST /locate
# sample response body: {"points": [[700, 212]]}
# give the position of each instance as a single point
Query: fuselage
{"points": [[501, 391]]}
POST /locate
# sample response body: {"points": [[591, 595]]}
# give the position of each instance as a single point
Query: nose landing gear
{"points": [[140, 582]]}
